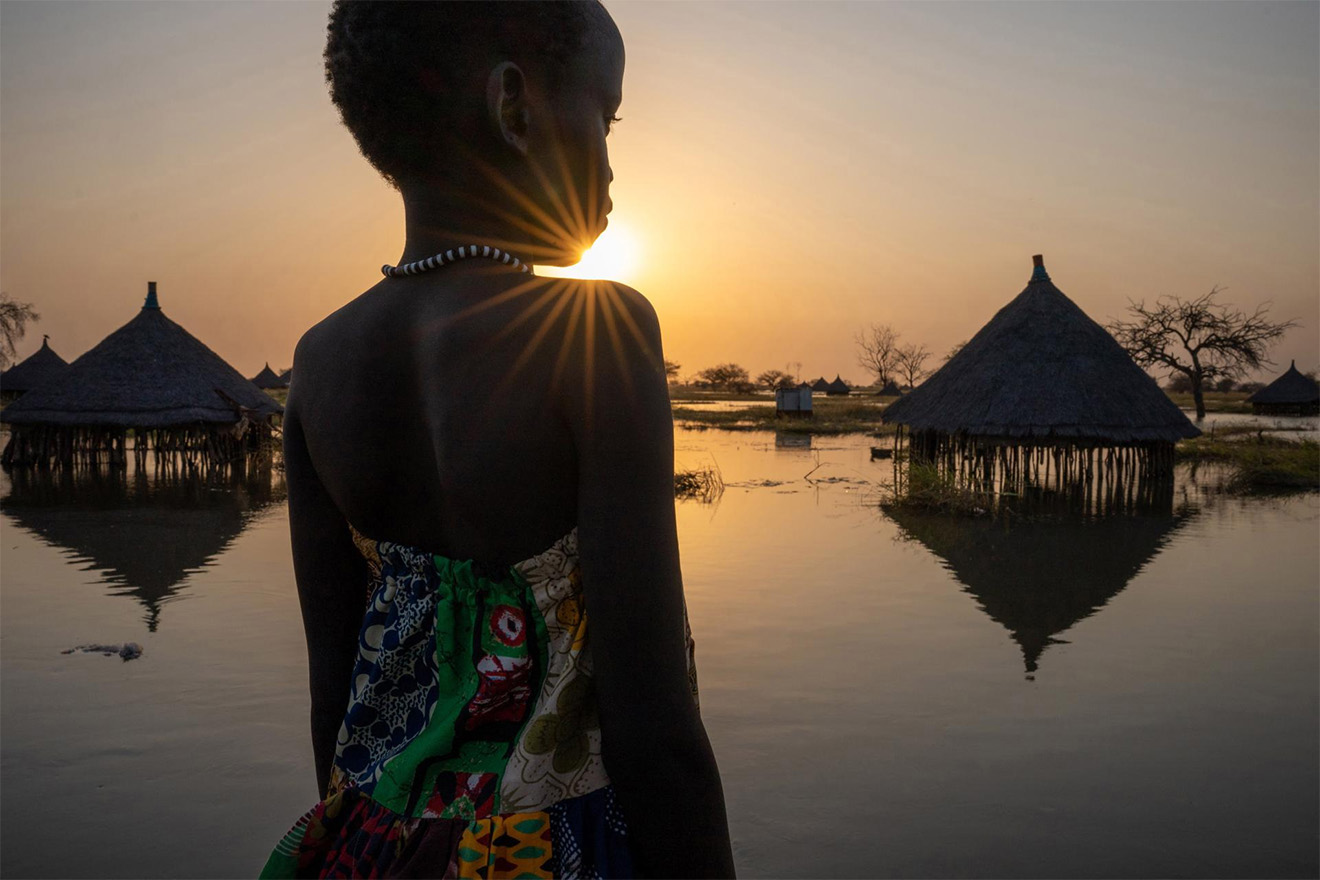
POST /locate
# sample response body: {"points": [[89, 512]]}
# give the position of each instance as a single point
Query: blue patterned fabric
{"points": [[589, 837], [394, 679]]}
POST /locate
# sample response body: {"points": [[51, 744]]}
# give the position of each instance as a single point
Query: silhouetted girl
{"points": [[480, 470]]}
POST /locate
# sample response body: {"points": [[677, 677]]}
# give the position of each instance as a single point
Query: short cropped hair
{"points": [[376, 51]]}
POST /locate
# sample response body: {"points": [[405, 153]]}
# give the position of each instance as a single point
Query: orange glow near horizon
{"points": [[785, 175]]}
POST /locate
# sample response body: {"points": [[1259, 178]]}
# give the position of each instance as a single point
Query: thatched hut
{"points": [[41, 368], [820, 385], [1039, 577], [268, 379], [286, 377], [1292, 394], [1043, 396], [837, 387], [154, 379], [891, 389]]}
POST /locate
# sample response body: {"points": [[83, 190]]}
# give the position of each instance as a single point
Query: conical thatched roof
{"points": [[148, 373], [42, 368], [820, 385], [268, 378], [838, 386], [1041, 368], [286, 375], [1039, 577], [144, 538], [1291, 387], [891, 389]]}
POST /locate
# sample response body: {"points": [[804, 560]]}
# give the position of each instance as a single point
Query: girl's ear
{"points": [[506, 105]]}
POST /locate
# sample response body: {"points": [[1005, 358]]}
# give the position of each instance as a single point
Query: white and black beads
{"points": [[452, 256]]}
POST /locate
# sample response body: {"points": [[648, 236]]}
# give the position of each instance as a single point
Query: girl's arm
{"points": [[655, 747], [332, 583]]}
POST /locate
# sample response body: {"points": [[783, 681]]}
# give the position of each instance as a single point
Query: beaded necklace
{"points": [[453, 256]]}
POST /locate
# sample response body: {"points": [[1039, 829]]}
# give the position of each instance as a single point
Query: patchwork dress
{"points": [[471, 745]]}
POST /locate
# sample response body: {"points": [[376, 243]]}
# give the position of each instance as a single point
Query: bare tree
{"points": [[775, 379], [911, 363], [877, 351], [1200, 338], [14, 318]]}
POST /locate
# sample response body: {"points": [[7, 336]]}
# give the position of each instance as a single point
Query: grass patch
{"points": [[688, 394], [1258, 465], [702, 484], [838, 416], [929, 490], [1215, 401]]}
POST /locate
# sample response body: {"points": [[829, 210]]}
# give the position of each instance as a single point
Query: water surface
{"points": [[888, 694]]}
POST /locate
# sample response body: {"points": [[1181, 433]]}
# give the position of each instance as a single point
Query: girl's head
{"points": [[497, 109]]}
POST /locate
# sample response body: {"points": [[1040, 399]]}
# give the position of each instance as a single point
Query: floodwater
{"points": [[1293, 427], [888, 694]]}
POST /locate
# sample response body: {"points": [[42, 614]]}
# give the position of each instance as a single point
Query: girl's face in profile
{"points": [[574, 165]]}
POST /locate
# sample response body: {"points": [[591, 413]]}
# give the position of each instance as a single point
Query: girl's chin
{"points": [[568, 255]]}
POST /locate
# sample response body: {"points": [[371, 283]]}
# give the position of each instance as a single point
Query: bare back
{"points": [[433, 412]]}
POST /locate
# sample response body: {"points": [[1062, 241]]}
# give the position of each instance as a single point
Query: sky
{"points": [[788, 173]]}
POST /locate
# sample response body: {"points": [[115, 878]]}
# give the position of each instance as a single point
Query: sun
{"points": [[614, 257]]}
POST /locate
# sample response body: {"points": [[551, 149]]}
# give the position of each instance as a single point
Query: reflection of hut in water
{"points": [[837, 387], [268, 379], [1292, 394], [1044, 398], [144, 536], [1039, 577], [179, 399], [43, 367], [792, 440]]}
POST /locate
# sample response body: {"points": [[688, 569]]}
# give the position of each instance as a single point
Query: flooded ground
{"points": [[888, 694], [1294, 427]]}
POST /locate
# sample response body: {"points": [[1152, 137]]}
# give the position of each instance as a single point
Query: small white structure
{"points": [[793, 402]]}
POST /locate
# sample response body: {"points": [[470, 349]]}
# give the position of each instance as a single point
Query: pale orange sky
{"points": [[790, 171]]}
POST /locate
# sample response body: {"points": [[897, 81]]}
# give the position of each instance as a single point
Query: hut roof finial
{"points": [[1038, 273], [152, 302]]}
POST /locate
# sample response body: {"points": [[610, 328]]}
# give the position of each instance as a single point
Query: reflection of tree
{"points": [[144, 536], [1039, 577]]}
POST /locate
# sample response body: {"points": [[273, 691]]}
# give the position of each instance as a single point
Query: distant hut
{"points": [[286, 377], [793, 402], [1041, 576], [837, 387], [179, 398], [268, 379], [1292, 394], [891, 389], [1044, 397], [41, 368], [821, 385]]}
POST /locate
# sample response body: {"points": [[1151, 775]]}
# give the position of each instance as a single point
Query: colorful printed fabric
{"points": [[471, 743]]}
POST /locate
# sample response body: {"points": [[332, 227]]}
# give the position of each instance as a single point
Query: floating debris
{"points": [[128, 650]]}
